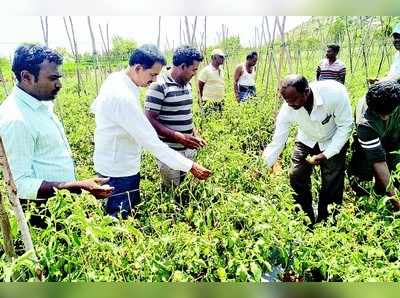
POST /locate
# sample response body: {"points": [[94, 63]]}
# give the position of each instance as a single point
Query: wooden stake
{"points": [[19, 213]]}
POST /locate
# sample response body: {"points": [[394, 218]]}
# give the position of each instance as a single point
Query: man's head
{"points": [[383, 97], [145, 63], [332, 50], [217, 57], [186, 62], [295, 90], [36, 69], [251, 58], [396, 36]]}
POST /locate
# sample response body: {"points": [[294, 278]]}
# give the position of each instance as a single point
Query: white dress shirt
{"points": [[329, 124], [122, 129], [394, 72]]}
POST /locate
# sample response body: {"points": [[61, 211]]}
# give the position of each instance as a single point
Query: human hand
{"points": [[200, 172], [190, 141], [315, 159], [97, 187]]}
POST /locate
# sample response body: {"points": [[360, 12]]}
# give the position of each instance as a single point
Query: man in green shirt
{"points": [[377, 139], [34, 139]]}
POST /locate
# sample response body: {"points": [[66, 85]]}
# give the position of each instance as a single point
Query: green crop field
{"points": [[236, 226]]}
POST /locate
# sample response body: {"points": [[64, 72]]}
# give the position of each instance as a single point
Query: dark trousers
{"points": [[36, 219], [332, 180], [125, 196]]}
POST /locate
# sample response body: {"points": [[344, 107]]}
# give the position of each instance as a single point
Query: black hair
{"points": [[30, 56], [334, 47], [383, 97], [147, 55], [186, 55], [297, 81], [251, 55]]}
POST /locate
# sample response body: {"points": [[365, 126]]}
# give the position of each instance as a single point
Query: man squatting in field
{"points": [[377, 139], [36, 146], [323, 113], [122, 130]]}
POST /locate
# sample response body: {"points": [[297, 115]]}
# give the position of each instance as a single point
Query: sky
{"points": [[143, 29]]}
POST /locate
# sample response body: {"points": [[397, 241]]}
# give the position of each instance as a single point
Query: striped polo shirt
{"points": [[173, 103], [331, 71]]}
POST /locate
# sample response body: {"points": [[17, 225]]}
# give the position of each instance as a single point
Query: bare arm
{"points": [[382, 177], [187, 140], [201, 88], [94, 185], [318, 72], [238, 73]]}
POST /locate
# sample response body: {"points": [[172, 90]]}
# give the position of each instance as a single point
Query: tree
{"points": [[122, 47], [231, 45]]}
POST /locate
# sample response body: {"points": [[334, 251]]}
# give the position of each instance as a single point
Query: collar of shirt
{"points": [[131, 85], [169, 79], [317, 110], [30, 101]]}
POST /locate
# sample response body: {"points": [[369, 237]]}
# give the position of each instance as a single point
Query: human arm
{"points": [[283, 122], [318, 72], [237, 75], [342, 75], [19, 143], [344, 123], [187, 140], [131, 118], [153, 106], [201, 88], [95, 186], [382, 177]]}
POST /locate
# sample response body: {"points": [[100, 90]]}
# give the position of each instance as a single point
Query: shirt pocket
{"points": [[327, 124]]}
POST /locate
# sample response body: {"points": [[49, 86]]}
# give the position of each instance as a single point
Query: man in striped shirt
{"points": [[331, 68], [169, 109], [377, 139]]}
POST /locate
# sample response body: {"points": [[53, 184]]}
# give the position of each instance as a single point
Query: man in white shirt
{"points": [[323, 114], [122, 130], [394, 71]]}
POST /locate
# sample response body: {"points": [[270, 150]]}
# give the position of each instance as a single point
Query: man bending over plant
{"points": [[323, 114], [376, 142]]}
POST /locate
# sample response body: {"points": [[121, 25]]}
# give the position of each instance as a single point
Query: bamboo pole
{"points": [[6, 231], [74, 49], [105, 48], [94, 54], [19, 213], [159, 32], [349, 45], [45, 30], [188, 39]]}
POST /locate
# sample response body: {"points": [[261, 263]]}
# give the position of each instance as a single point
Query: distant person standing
{"points": [[211, 84], [245, 78], [394, 72], [331, 68]]}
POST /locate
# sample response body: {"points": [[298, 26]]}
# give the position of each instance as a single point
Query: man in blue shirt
{"points": [[34, 139]]}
